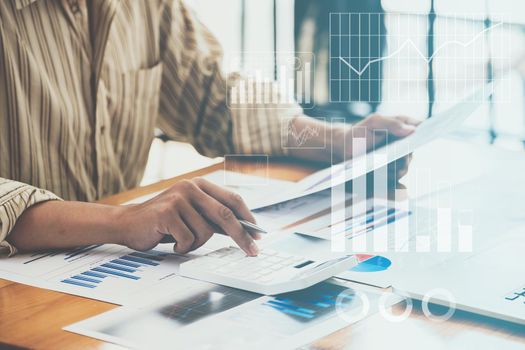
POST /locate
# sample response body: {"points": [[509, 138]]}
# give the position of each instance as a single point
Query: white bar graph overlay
{"points": [[444, 230], [338, 212], [424, 187], [258, 85], [465, 232], [401, 227], [444, 220], [358, 241], [380, 189]]}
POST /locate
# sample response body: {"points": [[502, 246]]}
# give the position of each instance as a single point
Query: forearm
{"points": [[55, 224]]}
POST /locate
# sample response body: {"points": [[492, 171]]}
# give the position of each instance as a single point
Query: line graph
{"points": [[418, 51], [291, 137], [301, 137], [384, 58]]}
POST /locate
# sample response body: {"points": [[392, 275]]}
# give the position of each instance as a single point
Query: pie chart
{"points": [[371, 263]]}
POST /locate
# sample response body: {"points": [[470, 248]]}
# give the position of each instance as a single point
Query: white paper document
{"points": [[108, 272], [253, 189], [281, 215], [120, 275], [214, 317], [390, 241], [432, 128]]}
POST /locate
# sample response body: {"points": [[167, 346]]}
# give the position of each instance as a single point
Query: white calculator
{"points": [[270, 273]]}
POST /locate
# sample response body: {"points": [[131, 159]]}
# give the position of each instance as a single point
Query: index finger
{"points": [[222, 216], [409, 120], [230, 199]]}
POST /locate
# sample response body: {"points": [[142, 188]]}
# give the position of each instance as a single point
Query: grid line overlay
{"points": [[382, 57]]}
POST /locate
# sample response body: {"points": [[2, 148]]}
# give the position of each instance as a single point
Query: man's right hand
{"points": [[191, 211]]}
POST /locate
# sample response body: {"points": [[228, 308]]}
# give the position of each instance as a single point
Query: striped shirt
{"points": [[83, 84]]}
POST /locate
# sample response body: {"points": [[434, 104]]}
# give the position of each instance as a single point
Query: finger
{"points": [[402, 167], [229, 223], [202, 230], [409, 120], [394, 125], [224, 217], [230, 199], [398, 128], [182, 234]]}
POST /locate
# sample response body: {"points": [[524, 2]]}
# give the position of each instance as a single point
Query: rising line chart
{"points": [[382, 57]]}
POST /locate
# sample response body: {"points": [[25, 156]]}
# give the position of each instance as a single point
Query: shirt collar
{"points": [[20, 4]]}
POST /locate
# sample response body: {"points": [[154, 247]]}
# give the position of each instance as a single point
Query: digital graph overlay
{"points": [[271, 80], [308, 137], [377, 57], [235, 163], [371, 223]]}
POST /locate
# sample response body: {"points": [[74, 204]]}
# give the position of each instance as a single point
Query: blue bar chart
{"points": [[108, 272], [129, 266], [309, 304], [356, 225]]}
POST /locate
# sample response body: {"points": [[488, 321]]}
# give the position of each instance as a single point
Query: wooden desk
{"points": [[32, 317]]}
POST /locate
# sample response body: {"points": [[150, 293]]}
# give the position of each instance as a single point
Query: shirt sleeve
{"points": [[15, 198], [193, 102]]}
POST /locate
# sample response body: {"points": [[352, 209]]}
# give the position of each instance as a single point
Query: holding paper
{"points": [[362, 163]]}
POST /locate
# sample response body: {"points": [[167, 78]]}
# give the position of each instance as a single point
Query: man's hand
{"points": [[377, 130], [191, 211], [338, 147]]}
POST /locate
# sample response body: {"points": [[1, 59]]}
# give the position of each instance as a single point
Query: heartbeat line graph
{"points": [[358, 70], [299, 138], [418, 52]]}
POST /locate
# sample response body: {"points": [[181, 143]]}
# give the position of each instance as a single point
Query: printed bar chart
{"points": [[310, 303], [128, 266]]}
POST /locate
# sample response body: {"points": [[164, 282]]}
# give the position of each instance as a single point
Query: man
{"points": [[84, 83]]}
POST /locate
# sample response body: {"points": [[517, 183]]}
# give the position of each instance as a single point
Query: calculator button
{"points": [[205, 261], [268, 252], [265, 279], [217, 254], [265, 271], [284, 256], [234, 257], [273, 259]]}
